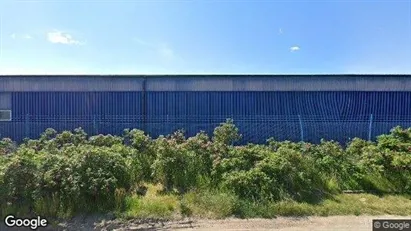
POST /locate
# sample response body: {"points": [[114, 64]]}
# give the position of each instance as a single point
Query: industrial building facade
{"points": [[285, 107]]}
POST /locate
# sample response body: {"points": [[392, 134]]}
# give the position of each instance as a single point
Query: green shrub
{"points": [[144, 154], [68, 138], [243, 157], [256, 173], [59, 181], [390, 160], [7, 146], [180, 165], [201, 146], [295, 174], [227, 133], [100, 172], [105, 141], [89, 175], [105, 172], [19, 180], [333, 162], [398, 140]]}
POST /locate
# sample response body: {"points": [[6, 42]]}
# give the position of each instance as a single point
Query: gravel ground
{"points": [[334, 223]]}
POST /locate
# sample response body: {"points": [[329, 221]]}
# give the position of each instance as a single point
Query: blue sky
{"points": [[189, 37]]}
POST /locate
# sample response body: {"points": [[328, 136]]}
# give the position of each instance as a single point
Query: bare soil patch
{"points": [[337, 223]]}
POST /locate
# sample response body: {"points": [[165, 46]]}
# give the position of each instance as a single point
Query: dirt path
{"points": [[333, 223], [337, 223]]}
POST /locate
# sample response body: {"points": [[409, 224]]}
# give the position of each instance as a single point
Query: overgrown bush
{"points": [[260, 174], [227, 133], [105, 141], [143, 155], [106, 172], [394, 158], [7, 146], [20, 179], [384, 165], [99, 172], [181, 164], [84, 173], [336, 164]]}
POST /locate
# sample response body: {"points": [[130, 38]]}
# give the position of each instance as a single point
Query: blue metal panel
{"points": [[258, 114], [255, 104], [76, 103], [5, 100]]}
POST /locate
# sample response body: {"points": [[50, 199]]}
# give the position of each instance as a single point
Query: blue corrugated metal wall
{"points": [[337, 104], [307, 116], [76, 103]]}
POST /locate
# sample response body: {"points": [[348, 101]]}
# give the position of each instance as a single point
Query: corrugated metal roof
{"points": [[68, 83], [211, 75], [205, 83], [281, 83]]}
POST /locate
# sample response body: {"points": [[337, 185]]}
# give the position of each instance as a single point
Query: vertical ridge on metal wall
{"points": [[258, 114]]}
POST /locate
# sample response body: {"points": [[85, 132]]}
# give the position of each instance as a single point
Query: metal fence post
{"points": [[95, 125], [301, 128], [27, 126], [168, 126], [370, 127], [144, 106]]}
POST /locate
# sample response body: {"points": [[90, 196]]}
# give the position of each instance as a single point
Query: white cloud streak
{"points": [[294, 48], [62, 38], [20, 36]]}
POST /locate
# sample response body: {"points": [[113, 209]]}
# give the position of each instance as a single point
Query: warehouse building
{"points": [[285, 107]]}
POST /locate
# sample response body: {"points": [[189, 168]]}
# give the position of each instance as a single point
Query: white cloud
{"points": [[62, 38], [294, 48], [21, 36], [280, 31], [27, 36]]}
